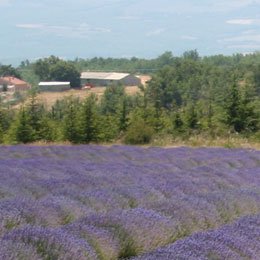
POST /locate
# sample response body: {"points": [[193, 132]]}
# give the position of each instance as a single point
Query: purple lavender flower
{"points": [[87, 202]]}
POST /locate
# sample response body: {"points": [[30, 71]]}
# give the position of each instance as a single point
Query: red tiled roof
{"points": [[13, 81]]}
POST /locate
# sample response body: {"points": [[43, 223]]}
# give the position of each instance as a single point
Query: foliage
{"points": [[188, 95], [70, 127], [138, 132], [9, 70], [20, 130], [89, 120], [55, 69]]}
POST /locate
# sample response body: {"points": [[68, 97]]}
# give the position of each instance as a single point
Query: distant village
{"points": [[11, 86]]}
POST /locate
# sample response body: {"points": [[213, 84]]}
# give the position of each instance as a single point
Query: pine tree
{"points": [[1, 134], [177, 122], [70, 129], [35, 113], [89, 130], [234, 109], [123, 114], [22, 132], [192, 117]]}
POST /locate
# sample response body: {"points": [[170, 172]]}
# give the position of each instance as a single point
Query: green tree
{"points": [[48, 129], [35, 112], [163, 90], [42, 69], [55, 69], [20, 130], [191, 115], [111, 99], [138, 132], [108, 129], [192, 55], [248, 109], [8, 70], [65, 71], [177, 122], [234, 108], [89, 120], [70, 122], [122, 113]]}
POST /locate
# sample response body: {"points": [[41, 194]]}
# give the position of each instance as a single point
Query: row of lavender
{"points": [[240, 240], [109, 202]]}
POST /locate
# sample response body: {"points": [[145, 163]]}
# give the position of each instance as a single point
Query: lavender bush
{"points": [[94, 202], [240, 240]]}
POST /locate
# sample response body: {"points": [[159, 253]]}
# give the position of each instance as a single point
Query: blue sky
{"points": [[126, 28]]}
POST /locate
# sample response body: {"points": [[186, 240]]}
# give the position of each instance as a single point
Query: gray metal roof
{"points": [[103, 75], [54, 83]]}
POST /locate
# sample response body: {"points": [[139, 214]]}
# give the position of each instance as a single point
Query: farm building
{"points": [[108, 78], [54, 86], [13, 84]]}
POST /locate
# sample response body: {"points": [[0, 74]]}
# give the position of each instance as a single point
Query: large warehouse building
{"points": [[109, 78]]}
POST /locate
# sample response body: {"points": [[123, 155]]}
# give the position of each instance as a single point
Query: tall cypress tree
{"points": [[234, 108], [23, 132], [241, 112], [89, 130], [70, 129], [35, 113], [123, 114]]}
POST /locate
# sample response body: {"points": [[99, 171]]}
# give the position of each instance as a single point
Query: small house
{"points": [[13, 84]]}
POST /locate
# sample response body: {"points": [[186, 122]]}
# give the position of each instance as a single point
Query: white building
{"points": [[54, 86], [108, 78]]}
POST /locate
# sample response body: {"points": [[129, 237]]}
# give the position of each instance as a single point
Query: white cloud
{"points": [[247, 41], [243, 21], [30, 26], [243, 38], [155, 32], [187, 7], [223, 5], [128, 17], [4, 2], [78, 31], [245, 46], [189, 37], [248, 32]]}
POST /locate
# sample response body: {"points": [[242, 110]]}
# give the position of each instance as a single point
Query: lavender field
{"points": [[94, 202]]}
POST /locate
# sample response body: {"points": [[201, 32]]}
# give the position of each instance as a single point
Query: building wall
{"points": [[54, 88], [18, 88], [127, 81], [131, 81], [15, 86], [22, 87], [96, 82]]}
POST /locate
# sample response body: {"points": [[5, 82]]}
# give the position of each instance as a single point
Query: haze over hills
{"points": [[120, 28]]}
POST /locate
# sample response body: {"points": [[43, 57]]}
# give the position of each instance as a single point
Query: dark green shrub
{"points": [[138, 133]]}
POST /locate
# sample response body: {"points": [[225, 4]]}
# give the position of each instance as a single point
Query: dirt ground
{"points": [[49, 98]]}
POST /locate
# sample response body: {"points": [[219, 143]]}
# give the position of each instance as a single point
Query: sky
{"points": [[31, 29]]}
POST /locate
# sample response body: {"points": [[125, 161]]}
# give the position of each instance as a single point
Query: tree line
{"points": [[188, 95]]}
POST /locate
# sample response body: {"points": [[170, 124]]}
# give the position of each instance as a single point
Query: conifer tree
{"points": [[70, 127], [21, 131], [241, 111], [89, 130], [35, 112], [192, 117], [123, 114]]}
